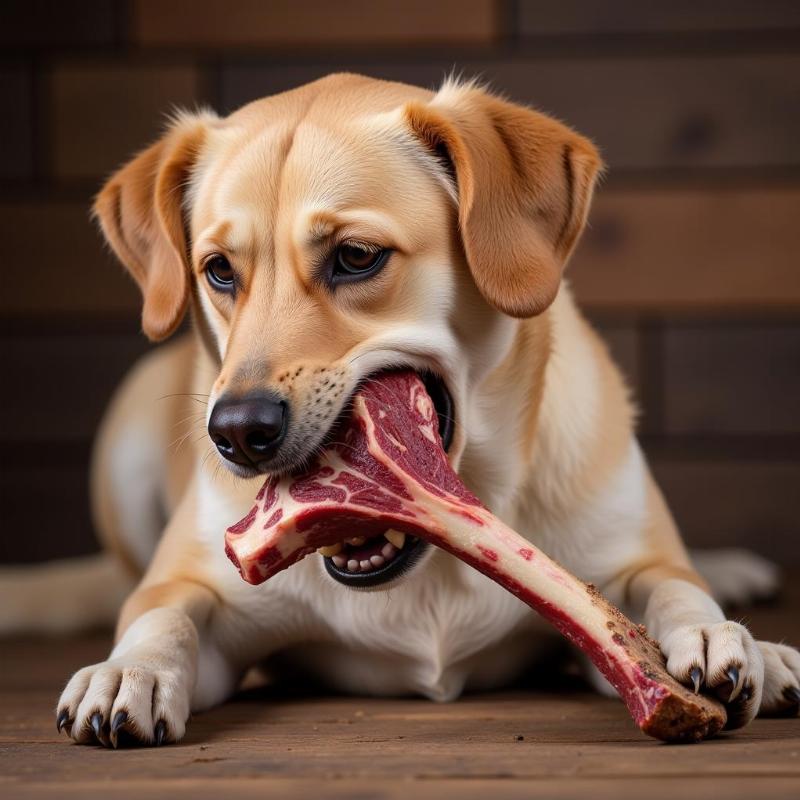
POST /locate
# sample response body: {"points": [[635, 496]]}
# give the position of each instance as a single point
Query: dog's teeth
{"points": [[366, 565], [377, 561], [389, 551], [353, 565], [340, 561], [397, 538], [356, 541], [330, 551]]}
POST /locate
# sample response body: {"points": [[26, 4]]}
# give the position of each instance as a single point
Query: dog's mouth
{"points": [[362, 562]]}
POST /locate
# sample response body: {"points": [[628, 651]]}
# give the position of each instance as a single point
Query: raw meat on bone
{"points": [[387, 469]]}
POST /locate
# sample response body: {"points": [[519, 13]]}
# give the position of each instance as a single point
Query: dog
{"points": [[345, 227]]}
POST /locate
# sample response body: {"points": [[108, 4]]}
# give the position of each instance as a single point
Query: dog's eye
{"points": [[220, 273], [354, 260]]}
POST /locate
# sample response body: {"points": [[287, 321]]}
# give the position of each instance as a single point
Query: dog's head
{"points": [[345, 227]]}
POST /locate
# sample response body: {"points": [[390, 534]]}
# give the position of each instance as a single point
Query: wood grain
{"points": [[632, 16], [16, 154], [734, 502], [104, 112], [690, 250], [313, 22], [645, 113], [272, 742], [732, 379], [83, 370], [64, 266]]}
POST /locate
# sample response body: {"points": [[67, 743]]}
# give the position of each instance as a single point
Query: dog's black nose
{"points": [[247, 430]]}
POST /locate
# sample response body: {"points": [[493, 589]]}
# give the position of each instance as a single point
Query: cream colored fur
{"points": [[545, 429]]}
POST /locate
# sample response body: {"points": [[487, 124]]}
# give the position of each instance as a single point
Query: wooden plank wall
{"points": [[691, 266]]}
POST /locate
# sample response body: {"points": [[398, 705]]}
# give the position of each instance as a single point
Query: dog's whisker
{"points": [[194, 397], [179, 442], [194, 418], [210, 452]]}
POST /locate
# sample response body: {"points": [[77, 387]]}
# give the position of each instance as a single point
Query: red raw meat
{"points": [[387, 469]]}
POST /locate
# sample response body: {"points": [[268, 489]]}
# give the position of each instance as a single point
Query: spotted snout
{"points": [[279, 426]]}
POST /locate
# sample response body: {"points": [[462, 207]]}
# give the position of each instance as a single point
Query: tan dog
{"points": [[319, 236]]}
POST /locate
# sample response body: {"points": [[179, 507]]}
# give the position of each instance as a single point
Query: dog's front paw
{"points": [[781, 679], [142, 698], [722, 658]]}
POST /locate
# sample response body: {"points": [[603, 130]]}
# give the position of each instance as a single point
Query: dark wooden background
{"points": [[691, 266]]}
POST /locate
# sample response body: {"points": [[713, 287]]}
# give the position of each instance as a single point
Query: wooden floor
{"points": [[552, 742]]}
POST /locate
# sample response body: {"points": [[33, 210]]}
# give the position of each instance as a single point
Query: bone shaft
{"points": [[566, 602]]}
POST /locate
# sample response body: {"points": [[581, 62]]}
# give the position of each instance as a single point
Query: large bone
{"points": [[387, 469]]}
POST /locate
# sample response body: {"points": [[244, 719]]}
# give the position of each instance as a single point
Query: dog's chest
{"points": [[434, 636]]}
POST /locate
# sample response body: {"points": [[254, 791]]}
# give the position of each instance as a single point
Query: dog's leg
{"points": [[736, 576], [167, 660], [781, 679], [61, 597], [147, 685], [703, 649]]}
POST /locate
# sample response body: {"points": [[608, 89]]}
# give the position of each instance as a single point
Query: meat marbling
{"points": [[387, 469]]}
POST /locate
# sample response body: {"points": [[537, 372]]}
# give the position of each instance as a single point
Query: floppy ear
{"points": [[140, 210], [524, 182]]}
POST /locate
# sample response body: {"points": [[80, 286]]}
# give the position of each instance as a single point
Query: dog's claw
{"points": [[792, 694], [97, 725], [63, 719], [161, 732], [697, 678], [733, 677], [120, 718], [745, 694]]}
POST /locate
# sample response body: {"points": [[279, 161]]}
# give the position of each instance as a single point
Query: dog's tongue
{"points": [[387, 469]]}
